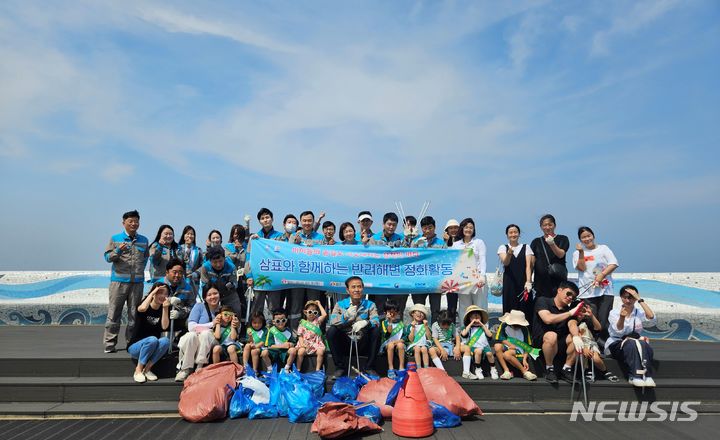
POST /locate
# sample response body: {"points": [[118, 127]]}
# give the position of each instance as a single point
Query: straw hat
{"points": [[418, 308], [470, 309], [515, 317]]}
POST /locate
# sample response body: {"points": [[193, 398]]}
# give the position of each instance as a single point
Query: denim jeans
{"points": [[150, 349]]}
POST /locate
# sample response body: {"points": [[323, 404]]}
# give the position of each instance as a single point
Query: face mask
{"points": [[290, 227]]}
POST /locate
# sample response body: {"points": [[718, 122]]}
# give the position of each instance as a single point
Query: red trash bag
{"points": [[337, 419], [377, 390], [443, 389], [205, 394]]}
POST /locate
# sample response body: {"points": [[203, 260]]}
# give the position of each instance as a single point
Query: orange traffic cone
{"points": [[412, 416]]}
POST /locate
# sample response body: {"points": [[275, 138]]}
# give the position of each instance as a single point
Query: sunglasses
{"points": [[571, 294], [312, 312], [280, 321], [228, 314]]}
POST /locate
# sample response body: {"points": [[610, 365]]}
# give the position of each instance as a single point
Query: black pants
{"points": [[274, 298], [296, 302], [339, 342], [601, 306], [435, 299], [380, 300], [629, 357]]}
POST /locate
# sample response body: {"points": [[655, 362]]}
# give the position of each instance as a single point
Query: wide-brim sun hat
{"points": [[483, 314], [451, 222], [418, 308], [515, 317]]}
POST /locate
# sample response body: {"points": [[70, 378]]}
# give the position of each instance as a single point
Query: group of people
{"points": [[201, 295]]}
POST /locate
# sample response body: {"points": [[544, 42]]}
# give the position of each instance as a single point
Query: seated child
{"points": [[310, 338], [445, 339], [256, 334], [392, 329], [582, 336], [474, 342], [279, 343], [418, 335], [226, 333], [512, 339]]}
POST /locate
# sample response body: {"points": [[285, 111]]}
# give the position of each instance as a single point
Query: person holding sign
{"points": [[310, 336], [358, 316]]}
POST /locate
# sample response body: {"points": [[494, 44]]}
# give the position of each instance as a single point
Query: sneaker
{"points": [[637, 382], [529, 375], [479, 373], [589, 376], [340, 372], [468, 375], [149, 375], [494, 373], [286, 369], [506, 375], [550, 376], [566, 374], [609, 376], [182, 375], [392, 374], [110, 349], [139, 377], [649, 382]]}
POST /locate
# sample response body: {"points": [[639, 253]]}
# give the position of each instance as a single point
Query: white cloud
{"points": [[115, 173], [627, 22], [174, 21]]}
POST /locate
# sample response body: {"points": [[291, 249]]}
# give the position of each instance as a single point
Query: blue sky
{"points": [[603, 113]]}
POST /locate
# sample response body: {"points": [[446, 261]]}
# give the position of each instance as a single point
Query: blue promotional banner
{"points": [[278, 265]]}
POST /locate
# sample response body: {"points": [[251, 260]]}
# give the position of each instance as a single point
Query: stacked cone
{"points": [[412, 415]]}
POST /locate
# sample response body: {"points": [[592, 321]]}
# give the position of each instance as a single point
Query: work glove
{"points": [[359, 325]]}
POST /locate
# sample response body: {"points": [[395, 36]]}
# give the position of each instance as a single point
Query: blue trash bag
{"points": [[277, 399], [302, 403], [263, 411], [360, 380], [329, 397], [250, 372], [316, 380], [370, 411], [344, 389], [442, 417], [400, 380], [241, 403]]}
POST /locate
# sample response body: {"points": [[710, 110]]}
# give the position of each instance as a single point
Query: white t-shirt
{"points": [[479, 251], [516, 249], [596, 260], [633, 323]]}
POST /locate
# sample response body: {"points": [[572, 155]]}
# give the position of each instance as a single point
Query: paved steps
{"points": [[67, 373]]}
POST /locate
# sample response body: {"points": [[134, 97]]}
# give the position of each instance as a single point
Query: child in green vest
{"points": [[310, 336], [256, 334], [391, 329], [418, 335], [226, 333], [446, 340], [279, 343], [474, 343], [512, 339]]}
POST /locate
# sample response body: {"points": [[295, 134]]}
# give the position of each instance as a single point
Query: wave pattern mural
{"points": [[693, 314]]}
